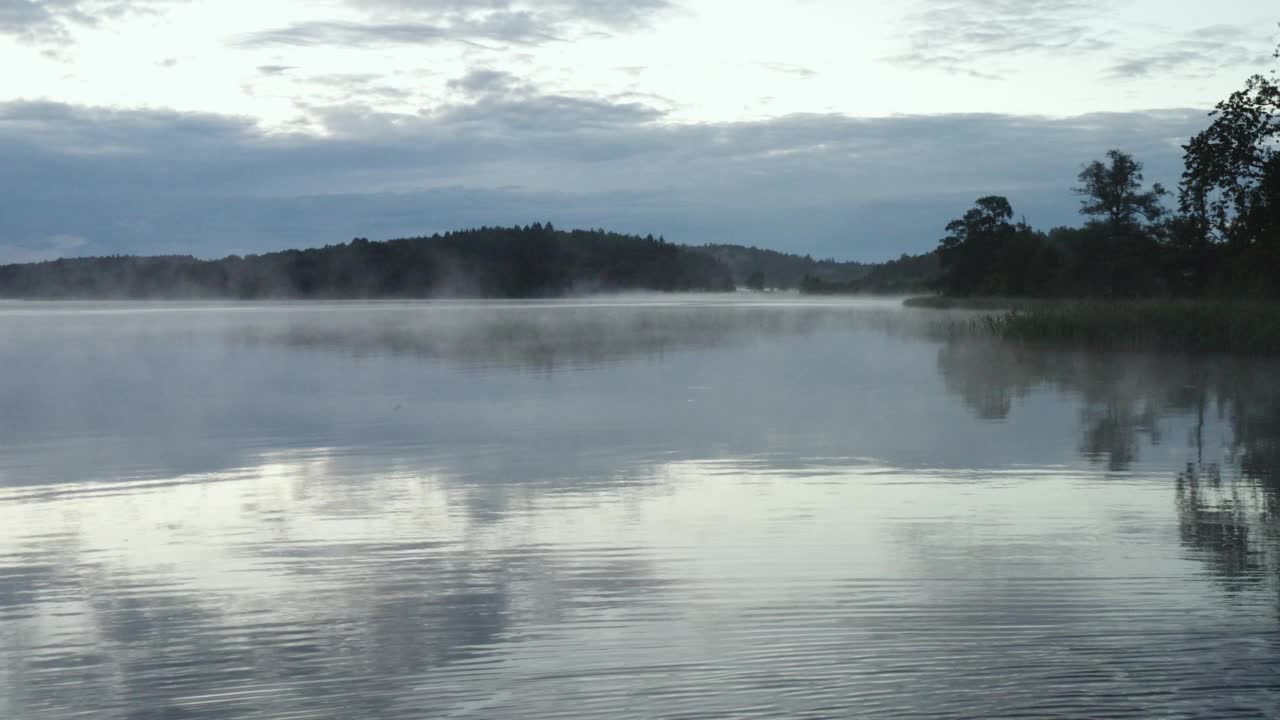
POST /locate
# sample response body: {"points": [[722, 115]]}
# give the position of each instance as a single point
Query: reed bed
{"points": [[1239, 327]]}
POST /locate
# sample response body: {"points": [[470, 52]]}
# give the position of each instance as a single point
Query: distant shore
{"points": [[534, 261]]}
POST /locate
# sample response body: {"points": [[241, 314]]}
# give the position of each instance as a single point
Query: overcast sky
{"points": [[845, 128]]}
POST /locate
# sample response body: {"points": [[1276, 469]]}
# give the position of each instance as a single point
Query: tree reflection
{"points": [[1217, 520], [1112, 430], [1226, 412]]}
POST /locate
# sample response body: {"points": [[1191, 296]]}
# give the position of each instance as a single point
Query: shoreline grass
{"points": [[1244, 327], [1231, 327], [944, 302]]}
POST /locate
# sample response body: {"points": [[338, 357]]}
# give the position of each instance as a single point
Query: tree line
{"points": [[760, 268], [1223, 238], [907, 274], [532, 261]]}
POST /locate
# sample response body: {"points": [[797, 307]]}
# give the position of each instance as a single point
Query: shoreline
{"points": [[1243, 327]]}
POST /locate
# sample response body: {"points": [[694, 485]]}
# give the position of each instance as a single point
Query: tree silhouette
{"points": [[1113, 192], [1232, 177], [1231, 186], [973, 243]]}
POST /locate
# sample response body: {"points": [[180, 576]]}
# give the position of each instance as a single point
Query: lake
{"points": [[680, 507]]}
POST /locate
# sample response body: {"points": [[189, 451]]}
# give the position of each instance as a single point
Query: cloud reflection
{"points": [[656, 505]]}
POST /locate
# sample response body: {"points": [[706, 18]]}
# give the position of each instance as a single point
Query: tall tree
{"points": [[1113, 192], [1232, 177], [972, 244]]}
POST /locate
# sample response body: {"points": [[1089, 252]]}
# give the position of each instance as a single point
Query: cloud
{"points": [[50, 248], [797, 71], [1201, 53], [66, 242], [275, 69], [615, 14], [974, 39], [502, 151], [363, 87], [29, 19], [101, 131], [514, 28], [490, 82], [50, 22], [347, 34], [427, 22]]}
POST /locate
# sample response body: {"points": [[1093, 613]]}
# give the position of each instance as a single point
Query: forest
{"points": [[532, 261], [760, 268], [518, 262], [1220, 240], [907, 274]]}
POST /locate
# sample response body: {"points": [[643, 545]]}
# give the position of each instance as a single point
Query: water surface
{"points": [[629, 507]]}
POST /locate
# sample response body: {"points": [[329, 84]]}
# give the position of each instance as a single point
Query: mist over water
{"points": [[650, 506]]}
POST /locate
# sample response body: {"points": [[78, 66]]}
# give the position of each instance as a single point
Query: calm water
{"points": [[624, 509]]}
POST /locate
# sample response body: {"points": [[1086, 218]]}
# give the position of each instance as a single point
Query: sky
{"points": [[839, 128]]}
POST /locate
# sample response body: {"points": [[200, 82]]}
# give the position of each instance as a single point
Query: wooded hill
{"points": [[517, 262], [532, 261]]}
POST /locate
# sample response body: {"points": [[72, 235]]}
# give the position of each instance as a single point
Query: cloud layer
{"points": [[426, 22], [49, 22], [504, 151], [974, 38], [1201, 53]]}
